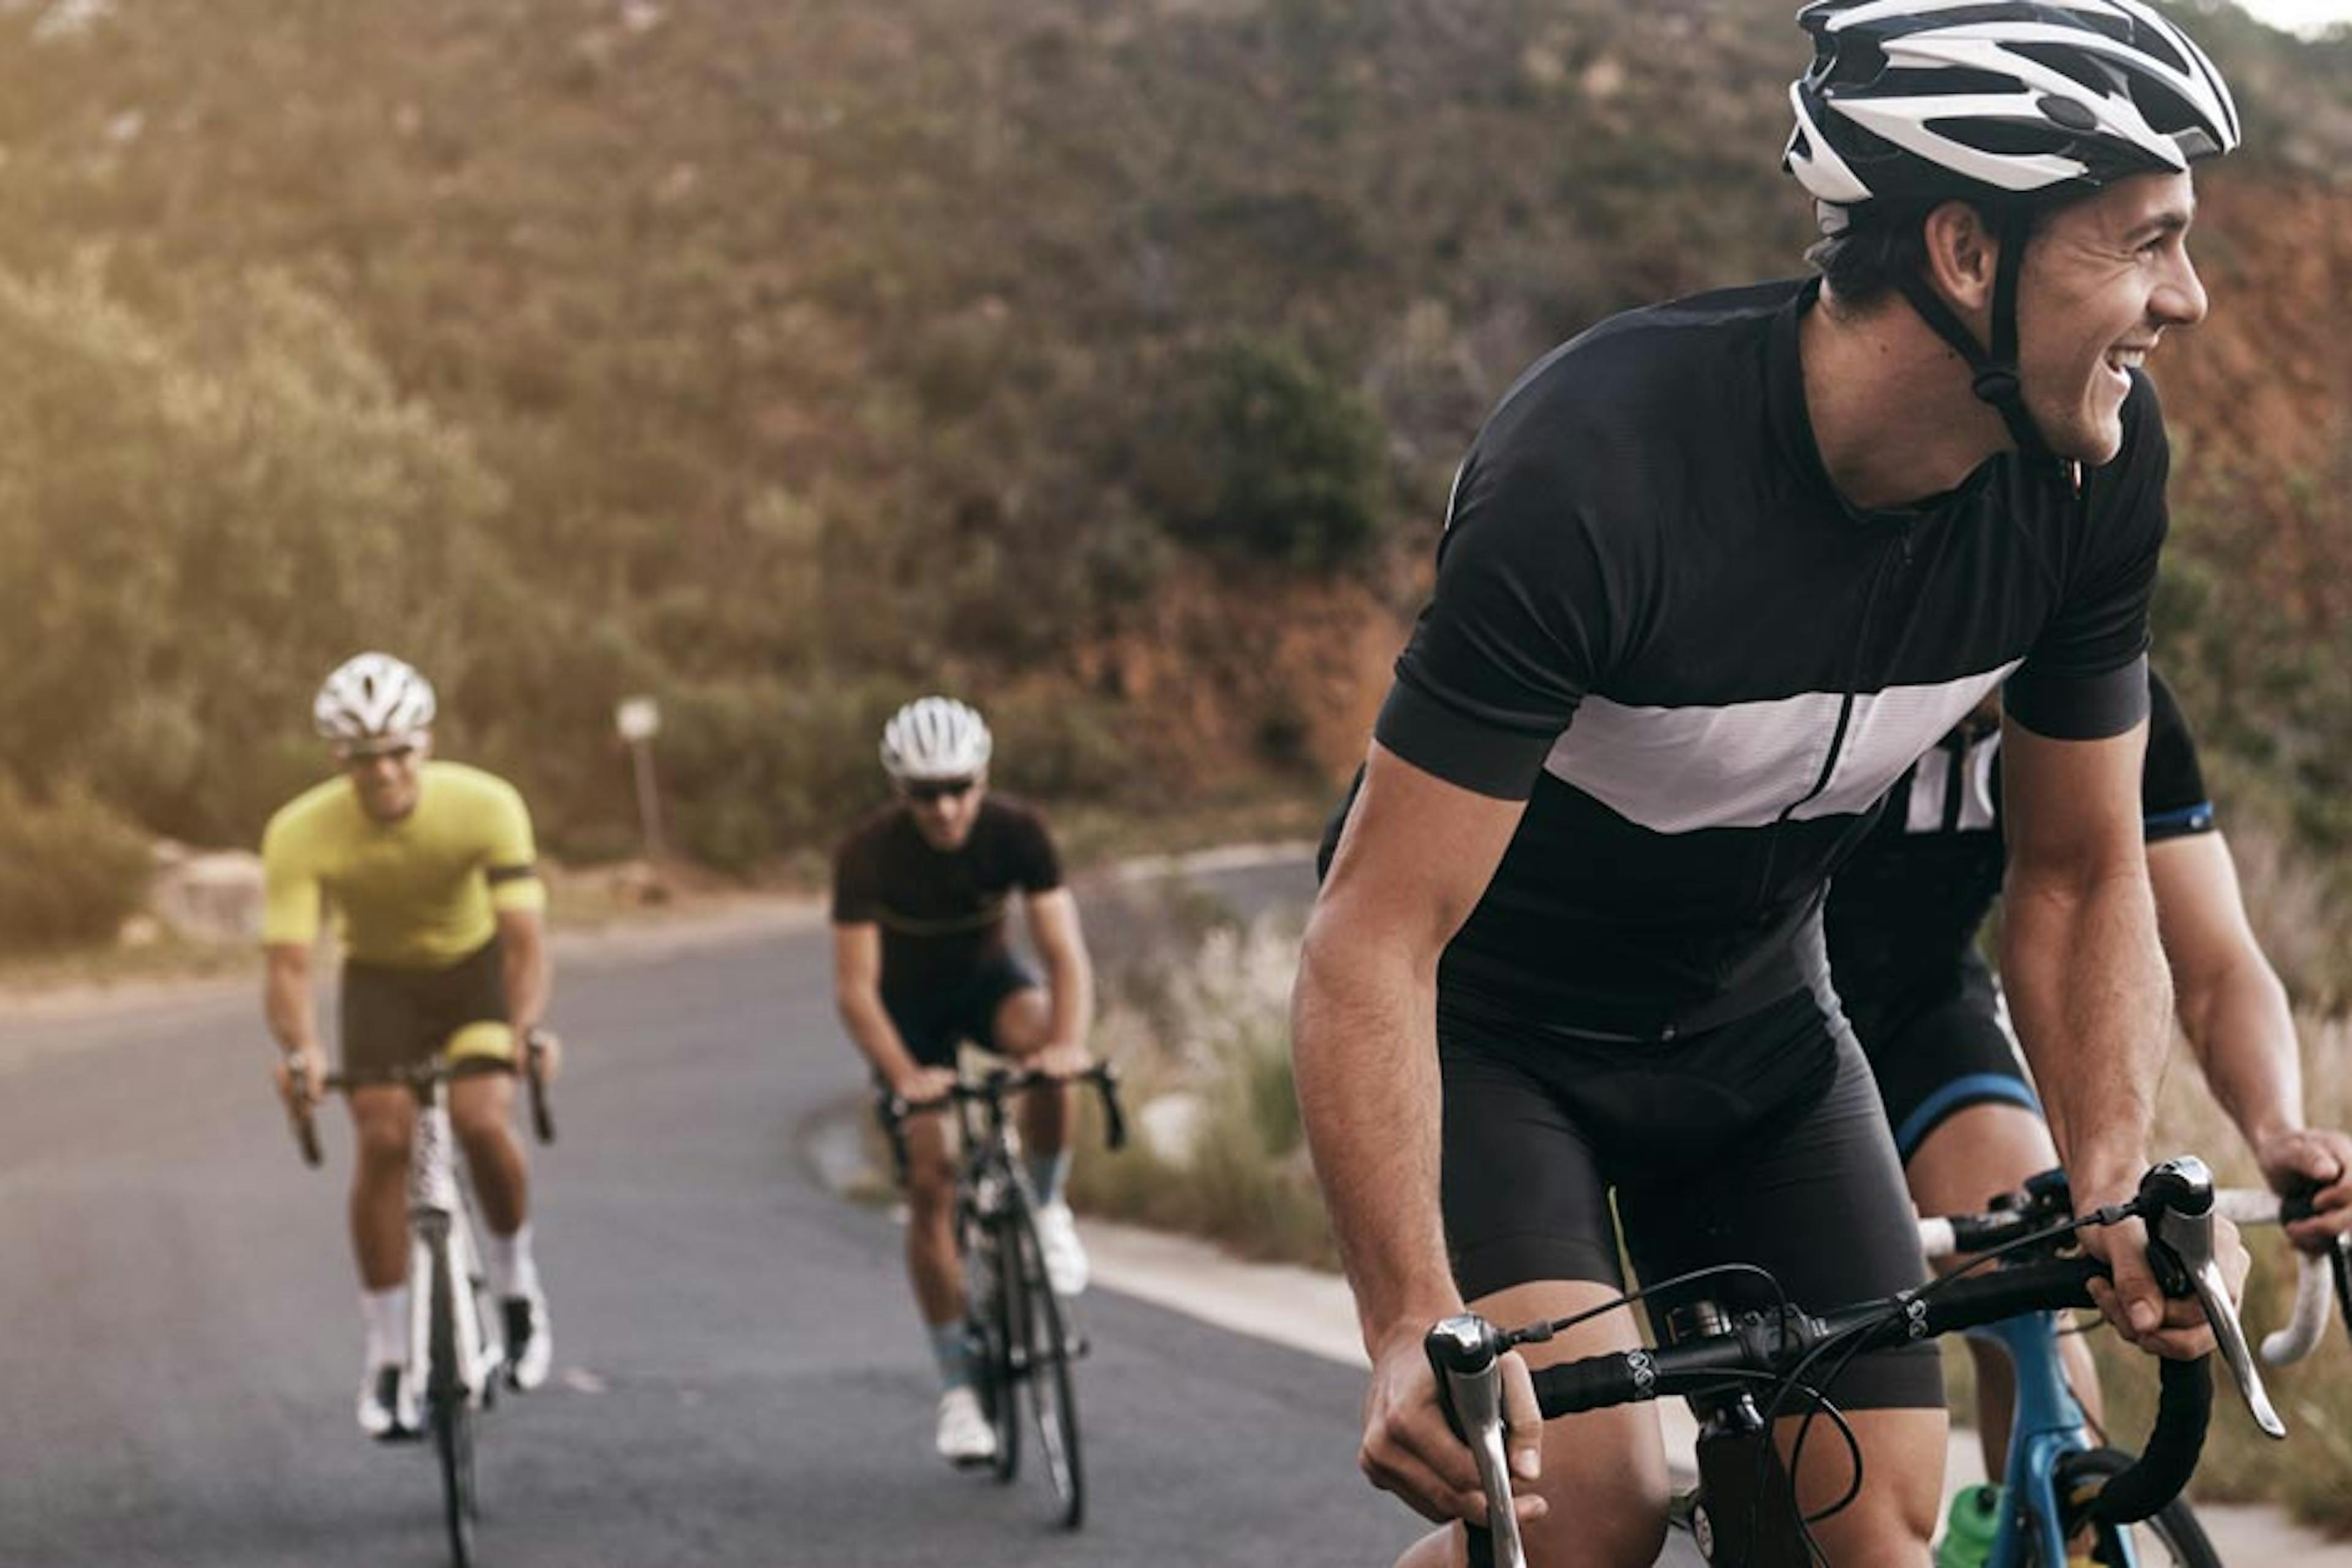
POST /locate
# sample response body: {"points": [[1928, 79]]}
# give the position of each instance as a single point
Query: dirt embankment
{"points": [[1231, 677], [2259, 396], [2258, 399]]}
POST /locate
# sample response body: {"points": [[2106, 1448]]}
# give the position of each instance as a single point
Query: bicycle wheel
{"points": [[1048, 1373], [987, 1268], [448, 1412], [2172, 1535]]}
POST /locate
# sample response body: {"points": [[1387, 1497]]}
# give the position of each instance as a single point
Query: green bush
{"points": [[752, 770], [70, 870], [1286, 463]]}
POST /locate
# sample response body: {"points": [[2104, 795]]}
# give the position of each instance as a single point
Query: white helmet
{"points": [[373, 697], [935, 738], [1995, 101], [1939, 99]]}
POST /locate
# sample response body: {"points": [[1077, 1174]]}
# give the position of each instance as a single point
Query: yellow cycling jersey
{"points": [[418, 894]]}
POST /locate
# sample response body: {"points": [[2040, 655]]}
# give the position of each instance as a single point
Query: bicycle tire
{"points": [[993, 1347], [450, 1413], [1048, 1373], [2173, 1528]]}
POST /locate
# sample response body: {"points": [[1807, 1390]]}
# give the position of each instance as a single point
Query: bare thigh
{"points": [[1604, 1472]]}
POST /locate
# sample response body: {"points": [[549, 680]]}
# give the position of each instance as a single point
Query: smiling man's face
{"points": [[2102, 281]]}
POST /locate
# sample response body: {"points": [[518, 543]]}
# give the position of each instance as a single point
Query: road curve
{"points": [[740, 1376]]}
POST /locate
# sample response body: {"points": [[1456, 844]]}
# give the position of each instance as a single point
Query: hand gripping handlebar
{"points": [[1466, 1351]]}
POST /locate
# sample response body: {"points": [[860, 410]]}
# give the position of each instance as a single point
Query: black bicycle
{"points": [[1724, 1362], [1020, 1334], [453, 1328]]}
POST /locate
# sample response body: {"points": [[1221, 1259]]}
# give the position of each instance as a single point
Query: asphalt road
{"points": [[740, 1377]]}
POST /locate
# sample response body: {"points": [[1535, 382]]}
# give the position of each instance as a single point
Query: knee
{"points": [[383, 1148], [930, 1193], [1626, 1528], [1607, 1505], [1893, 1527], [480, 1126], [1023, 1022]]}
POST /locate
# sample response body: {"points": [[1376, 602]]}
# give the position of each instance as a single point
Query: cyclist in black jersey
{"points": [[921, 892], [1902, 923], [1713, 576]]}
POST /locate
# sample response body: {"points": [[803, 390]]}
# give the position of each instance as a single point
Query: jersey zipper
{"points": [[1901, 547]]}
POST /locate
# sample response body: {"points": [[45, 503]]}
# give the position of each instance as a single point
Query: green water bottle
{"points": [[1969, 1529]]}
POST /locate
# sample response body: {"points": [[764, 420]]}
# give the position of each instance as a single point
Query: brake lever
{"points": [[2179, 1192], [2339, 1261], [1465, 1351]]}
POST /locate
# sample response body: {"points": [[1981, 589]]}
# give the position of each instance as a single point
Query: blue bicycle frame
{"points": [[2046, 1425]]}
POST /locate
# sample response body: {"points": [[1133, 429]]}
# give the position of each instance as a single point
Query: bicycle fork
{"points": [[439, 1239]]}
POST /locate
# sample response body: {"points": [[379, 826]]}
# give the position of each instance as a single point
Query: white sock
{"points": [[507, 1260], [385, 1313]]}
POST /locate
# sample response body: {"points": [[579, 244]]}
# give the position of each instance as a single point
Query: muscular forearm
{"points": [[871, 1031], [1071, 980], [523, 964], [1366, 1062], [2092, 999], [286, 1002], [2242, 1027]]}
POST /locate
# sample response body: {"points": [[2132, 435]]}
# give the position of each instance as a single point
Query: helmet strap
{"points": [[1994, 376]]}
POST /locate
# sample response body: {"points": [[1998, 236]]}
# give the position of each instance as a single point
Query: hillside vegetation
{"points": [[1104, 359]]}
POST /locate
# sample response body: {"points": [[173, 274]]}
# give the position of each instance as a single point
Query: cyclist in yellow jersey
{"points": [[429, 868]]}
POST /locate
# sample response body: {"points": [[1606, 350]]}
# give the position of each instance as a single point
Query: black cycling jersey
{"points": [[1657, 622], [942, 913], [1904, 910]]}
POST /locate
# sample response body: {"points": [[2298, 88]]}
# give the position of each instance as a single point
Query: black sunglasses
{"points": [[934, 789], [358, 759]]}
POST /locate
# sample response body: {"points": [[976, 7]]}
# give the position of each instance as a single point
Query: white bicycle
{"points": [[453, 1337]]}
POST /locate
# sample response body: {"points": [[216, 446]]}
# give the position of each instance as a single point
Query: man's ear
{"points": [[1962, 257]]}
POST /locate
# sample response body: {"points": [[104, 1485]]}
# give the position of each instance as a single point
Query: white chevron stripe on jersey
{"points": [[1749, 764]]}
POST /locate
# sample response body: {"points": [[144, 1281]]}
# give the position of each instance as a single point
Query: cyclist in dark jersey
{"points": [[920, 893], [1902, 923], [1713, 574]]}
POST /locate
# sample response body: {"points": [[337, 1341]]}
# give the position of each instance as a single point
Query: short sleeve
{"points": [[510, 854], [1036, 867], [2086, 677], [291, 898], [1513, 635], [857, 882], [2173, 802]]}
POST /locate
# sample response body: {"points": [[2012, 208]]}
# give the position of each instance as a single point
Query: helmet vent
{"points": [[2065, 111]]}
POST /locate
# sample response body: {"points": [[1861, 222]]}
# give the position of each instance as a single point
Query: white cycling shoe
{"points": [[387, 1409], [529, 1341], [1066, 1256], [965, 1439]]}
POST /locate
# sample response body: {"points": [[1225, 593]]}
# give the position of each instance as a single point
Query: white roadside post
{"points": [[639, 719]]}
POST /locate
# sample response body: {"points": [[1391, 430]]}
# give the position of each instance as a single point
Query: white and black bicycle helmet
{"points": [[935, 738], [1999, 102], [373, 697]]}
